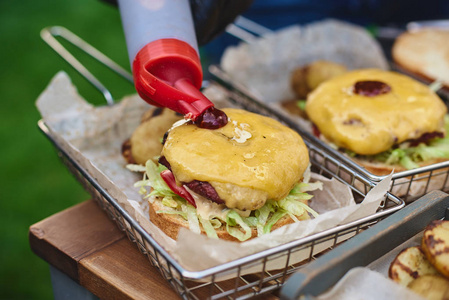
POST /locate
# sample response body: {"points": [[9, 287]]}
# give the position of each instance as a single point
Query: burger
{"points": [[384, 120], [424, 53], [237, 182]]}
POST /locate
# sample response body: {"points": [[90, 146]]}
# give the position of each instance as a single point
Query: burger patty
{"points": [[206, 190], [202, 188], [424, 138]]}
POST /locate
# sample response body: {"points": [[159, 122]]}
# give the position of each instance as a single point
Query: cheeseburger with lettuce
{"points": [[384, 120], [237, 182]]}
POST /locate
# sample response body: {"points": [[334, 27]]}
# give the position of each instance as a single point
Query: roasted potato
{"points": [[435, 245], [146, 141], [306, 78], [432, 287], [410, 264]]}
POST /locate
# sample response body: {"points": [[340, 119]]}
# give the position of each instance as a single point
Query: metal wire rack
{"points": [[408, 185], [208, 283]]}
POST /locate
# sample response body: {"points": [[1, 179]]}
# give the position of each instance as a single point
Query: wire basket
{"points": [[408, 185], [242, 284], [207, 283]]}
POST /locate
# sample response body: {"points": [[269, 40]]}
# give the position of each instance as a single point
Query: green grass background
{"points": [[34, 184]]}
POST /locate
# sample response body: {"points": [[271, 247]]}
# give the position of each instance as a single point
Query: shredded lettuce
{"points": [[232, 219], [192, 218], [262, 215], [410, 157], [236, 223], [208, 228], [160, 188], [169, 201], [215, 223], [273, 220], [173, 212], [301, 104]]}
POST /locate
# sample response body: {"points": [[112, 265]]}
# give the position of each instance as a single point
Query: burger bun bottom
{"points": [[170, 224]]}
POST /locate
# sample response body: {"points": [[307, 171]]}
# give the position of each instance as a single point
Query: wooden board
{"points": [[84, 244]]}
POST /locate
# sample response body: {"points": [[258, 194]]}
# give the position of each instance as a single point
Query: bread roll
{"points": [[424, 53]]}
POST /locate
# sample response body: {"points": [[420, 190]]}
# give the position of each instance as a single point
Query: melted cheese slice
{"points": [[370, 125], [250, 160]]}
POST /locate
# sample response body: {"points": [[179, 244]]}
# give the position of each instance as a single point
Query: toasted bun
{"points": [[170, 224], [250, 160], [424, 53]]}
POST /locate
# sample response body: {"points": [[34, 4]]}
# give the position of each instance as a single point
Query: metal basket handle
{"points": [[246, 30], [48, 34]]}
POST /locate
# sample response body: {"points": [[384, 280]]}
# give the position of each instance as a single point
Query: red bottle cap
{"points": [[168, 73]]}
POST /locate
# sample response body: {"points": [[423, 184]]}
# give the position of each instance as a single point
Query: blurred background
{"points": [[33, 182]]}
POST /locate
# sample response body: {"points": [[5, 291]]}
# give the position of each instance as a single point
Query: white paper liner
{"points": [[363, 283], [93, 137], [264, 66]]}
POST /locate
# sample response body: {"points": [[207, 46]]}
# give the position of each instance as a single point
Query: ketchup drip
{"points": [[212, 118], [371, 88]]}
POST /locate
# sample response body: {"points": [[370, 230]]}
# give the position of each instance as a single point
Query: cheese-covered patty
{"points": [[368, 111], [250, 160]]}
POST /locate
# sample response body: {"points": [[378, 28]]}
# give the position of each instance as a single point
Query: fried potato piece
{"points": [[146, 141], [306, 78], [409, 264], [432, 287], [292, 107], [435, 245]]}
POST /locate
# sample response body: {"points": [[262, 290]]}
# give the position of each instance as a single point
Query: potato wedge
{"points": [[145, 142], [432, 287], [410, 264], [306, 78], [435, 245]]}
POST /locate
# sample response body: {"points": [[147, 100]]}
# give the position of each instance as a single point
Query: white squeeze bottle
{"points": [[163, 52]]}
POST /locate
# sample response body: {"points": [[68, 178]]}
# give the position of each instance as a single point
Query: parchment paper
{"points": [[264, 66], [93, 137]]}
